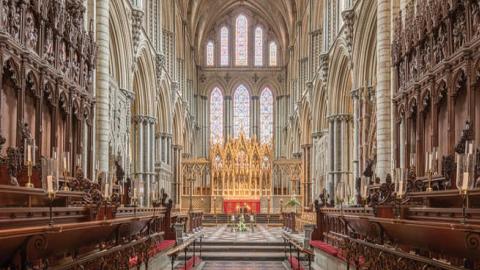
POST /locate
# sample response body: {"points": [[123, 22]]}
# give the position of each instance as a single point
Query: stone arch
{"points": [[339, 81], [121, 51], [144, 85]]}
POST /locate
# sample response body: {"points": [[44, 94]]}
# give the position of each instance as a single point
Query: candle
{"points": [[430, 161], [33, 151], [465, 181], [106, 190], [50, 184], [470, 148], [29, 153], [65, 169], [134, 193]]}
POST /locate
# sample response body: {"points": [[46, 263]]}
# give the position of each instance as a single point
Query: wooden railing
{"points": [[184, 247], [295, 247]]}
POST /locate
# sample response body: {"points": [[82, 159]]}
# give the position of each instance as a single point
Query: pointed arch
{"points": [[216, 116], [266, 116], [241, 111], [241, 41]]}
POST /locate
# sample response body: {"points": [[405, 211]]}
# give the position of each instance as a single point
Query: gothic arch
{"points": [[121, 52], [339, 82], [144, 85]]}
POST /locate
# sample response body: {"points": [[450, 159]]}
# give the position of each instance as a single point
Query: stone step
{"points": [[240, 248], [235, 265], [241, 243], [238, 256]]}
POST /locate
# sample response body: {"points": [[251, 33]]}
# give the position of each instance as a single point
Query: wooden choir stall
{"points": [[55, 211], [425, 214]]}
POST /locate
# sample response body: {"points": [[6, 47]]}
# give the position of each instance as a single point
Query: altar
{"points": [[232, 206]]}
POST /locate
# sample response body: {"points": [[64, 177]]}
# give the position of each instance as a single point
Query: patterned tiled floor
{"points": [[228, 265], [260, 234]]}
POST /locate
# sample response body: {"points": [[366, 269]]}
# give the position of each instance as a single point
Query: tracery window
{"points": [[258, 46], [266, 116], [241, 41], [210, 50], [224, 46], [273, 53], [216, 116], [241, 111]]}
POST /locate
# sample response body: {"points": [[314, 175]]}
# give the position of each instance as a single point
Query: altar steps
{"points": [[212, 220]]}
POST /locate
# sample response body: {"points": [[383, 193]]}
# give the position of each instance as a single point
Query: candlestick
{"points": [[106, 190], [49, 184], [29, 184]]}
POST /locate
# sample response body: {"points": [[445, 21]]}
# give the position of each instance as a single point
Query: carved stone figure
{"points": [[120, 173], [459, 32], [48, 47], [15, 20], [14, 161], [4, 14], [31, 36], [476, 19]]}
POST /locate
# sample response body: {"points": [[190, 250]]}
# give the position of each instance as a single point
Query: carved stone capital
{"points": [[159, 65], [137, 16]]}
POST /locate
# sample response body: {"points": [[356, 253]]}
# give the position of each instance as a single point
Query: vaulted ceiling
{"points": [[201, 15]]}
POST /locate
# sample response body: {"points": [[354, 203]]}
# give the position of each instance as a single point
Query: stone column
{"points": [[356, 144], [383, 93], [102, 98], [146, 161], [331, 163], [139, 166], [337, 148], [153, 174], [177, 186]]}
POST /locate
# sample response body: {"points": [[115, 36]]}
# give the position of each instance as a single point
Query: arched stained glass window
{"points": [[224, 46], [241, 111], [258, 46], [241, 41], [266, 116], [216, 116], [210, 53], [273, 53]]}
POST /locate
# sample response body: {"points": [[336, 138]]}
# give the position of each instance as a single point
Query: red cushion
{"points": [[160, 247], [190, 265], [133, 261], [295, 263], [329, 249]]}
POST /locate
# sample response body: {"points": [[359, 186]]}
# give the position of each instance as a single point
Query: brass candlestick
{"points": [[51, 198], [429, 189], [65, 181], [29, 184]]}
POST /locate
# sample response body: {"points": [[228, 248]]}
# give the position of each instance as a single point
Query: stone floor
{"points": [[261, 233], [242, 265]]}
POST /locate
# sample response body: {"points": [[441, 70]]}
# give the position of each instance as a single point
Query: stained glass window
{"points": [[224, 46], [266, 116], [210, 53], [216, 116], [241, 111], [258, 46], [241, 41], [273, 53]]}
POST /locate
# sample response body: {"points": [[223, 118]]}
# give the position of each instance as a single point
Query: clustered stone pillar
{"points": [[356, 143], [177, 174], [102, 95], [306, 160], [145, 163], [339, 153], [281, 119], [383, 93], [228, 117]]}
